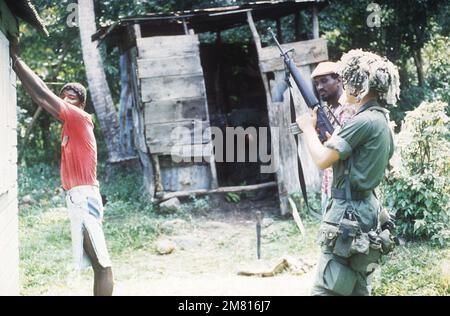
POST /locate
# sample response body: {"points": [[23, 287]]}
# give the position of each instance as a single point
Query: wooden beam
{"points": [[137, 31], [315, 22], [212, 165], [255, 34], [244, 188], [138, 128], [158, 183], [186, 31]]}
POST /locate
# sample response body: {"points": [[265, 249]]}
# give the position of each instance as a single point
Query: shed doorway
{"points": [[236, 99]]}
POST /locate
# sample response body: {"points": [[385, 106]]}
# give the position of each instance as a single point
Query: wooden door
{"points": [[173, 95]]}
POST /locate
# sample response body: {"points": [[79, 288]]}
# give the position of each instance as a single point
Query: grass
{"points": [[131, 227], [44, 228], [415, 269]]}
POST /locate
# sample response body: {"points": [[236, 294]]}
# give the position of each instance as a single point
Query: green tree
{"points": [[405, 28]]}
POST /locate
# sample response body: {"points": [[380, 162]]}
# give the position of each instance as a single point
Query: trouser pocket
{"points": [[336, 276]]}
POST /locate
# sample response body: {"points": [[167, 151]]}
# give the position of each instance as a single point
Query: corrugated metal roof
{"points": [[25, 10], [211, 19]]}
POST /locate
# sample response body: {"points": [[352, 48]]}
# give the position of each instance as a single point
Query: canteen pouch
{"points": [[347, 231]]}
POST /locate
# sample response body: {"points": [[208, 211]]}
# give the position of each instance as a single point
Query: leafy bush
{"points": [[314, 201], [417, 189], [233, 197]]}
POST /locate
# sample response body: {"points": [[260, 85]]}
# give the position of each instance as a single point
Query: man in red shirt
{"points": [[78, 172]]}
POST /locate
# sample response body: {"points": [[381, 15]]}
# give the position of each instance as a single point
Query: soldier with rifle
{"points": [[351, 236], [355, 229]]}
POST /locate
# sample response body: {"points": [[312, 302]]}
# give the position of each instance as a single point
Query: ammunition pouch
{"points": [[362, 250], [327, 235]]}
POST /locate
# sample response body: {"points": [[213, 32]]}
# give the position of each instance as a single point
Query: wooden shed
{"points": [[9, 250], [175, 86]]}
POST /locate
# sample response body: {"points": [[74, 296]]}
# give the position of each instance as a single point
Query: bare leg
{"points": [[103, 277]]}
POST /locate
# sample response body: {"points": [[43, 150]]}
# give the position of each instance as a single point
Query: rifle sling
{"points": [[301, 176]]}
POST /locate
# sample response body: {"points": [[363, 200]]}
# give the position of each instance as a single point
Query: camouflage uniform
{"points": [[342, 113], [368, 139]]}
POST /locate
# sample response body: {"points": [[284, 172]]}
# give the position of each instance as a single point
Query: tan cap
{"points": [[325, 68]]}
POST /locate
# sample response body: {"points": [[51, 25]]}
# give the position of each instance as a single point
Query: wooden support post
{"points": [[212, 164], [186, 31], [255, 34], [315, 22], [137, 30], [138, 128], [158, 184], [274, 112]]}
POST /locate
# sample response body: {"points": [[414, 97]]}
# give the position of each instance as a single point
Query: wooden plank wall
{"points": [[173, 94], [9, 253], [305, 53]]}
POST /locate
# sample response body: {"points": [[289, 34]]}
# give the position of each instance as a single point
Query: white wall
{"points": [[9, 250]]}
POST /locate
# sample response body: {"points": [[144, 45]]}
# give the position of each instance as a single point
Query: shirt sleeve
{"points": [[352, 134]]}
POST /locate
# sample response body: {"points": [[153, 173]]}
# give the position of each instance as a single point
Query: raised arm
{"points": [[36, 88]]}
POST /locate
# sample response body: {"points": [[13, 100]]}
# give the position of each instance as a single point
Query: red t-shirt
{"points": [[78, 148]]}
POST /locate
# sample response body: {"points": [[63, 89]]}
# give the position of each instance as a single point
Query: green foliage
{"points": [[40, 181], [408, 28], [45, 246], [123, 184], [314, 201], [417, 189], [129, 226], [196, 205], [437, 67], [233, 197], [416, 269]]}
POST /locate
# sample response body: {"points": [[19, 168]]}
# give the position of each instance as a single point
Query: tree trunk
{"points": [[418, 61], [98, 86]]}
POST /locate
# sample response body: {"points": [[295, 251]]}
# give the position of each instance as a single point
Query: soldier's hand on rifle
{"points": [[307, 120]]}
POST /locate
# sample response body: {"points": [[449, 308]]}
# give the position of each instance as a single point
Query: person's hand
{"points": [[307, 120]]}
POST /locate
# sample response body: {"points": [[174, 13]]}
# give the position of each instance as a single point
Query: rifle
{"points": [[323, 123]]}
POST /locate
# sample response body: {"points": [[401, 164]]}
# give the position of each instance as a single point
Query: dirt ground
{"points": [[209, 251]]}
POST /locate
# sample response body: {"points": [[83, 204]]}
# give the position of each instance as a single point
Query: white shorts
{"points": [[85, 208]]}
